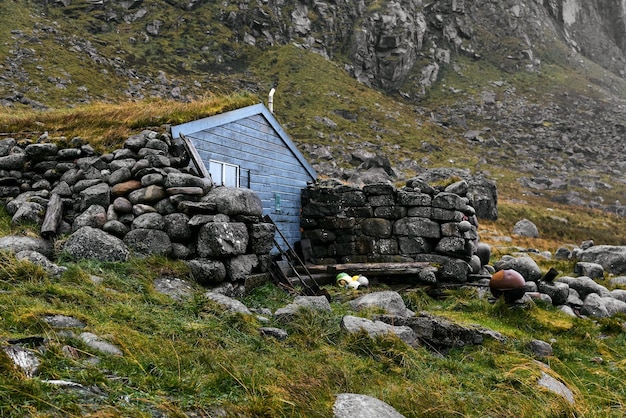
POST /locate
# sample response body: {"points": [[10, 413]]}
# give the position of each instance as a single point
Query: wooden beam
{"points": [[371, 269]]}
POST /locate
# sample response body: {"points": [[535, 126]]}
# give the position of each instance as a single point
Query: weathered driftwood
{"points": [[372, 269], [52, 219]]}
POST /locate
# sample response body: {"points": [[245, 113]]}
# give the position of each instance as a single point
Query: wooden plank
{"points": [[52, 218], [234, 141], [247, 160], [372, 269], [195, 157]]}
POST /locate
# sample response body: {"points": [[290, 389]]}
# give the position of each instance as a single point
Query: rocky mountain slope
{"points": [[532, 88]]}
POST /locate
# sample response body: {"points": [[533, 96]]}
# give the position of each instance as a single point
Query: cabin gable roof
{"points": [[211, 122]]}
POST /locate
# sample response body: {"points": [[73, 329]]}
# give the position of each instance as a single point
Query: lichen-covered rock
{"points": [[148, 242], [235, 201], [219, 239], [92, 243], [206, 271]]}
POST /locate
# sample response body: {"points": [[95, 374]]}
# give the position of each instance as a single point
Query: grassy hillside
{"points": [[190, 358]]}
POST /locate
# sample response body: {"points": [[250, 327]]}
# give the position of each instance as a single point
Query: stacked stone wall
{"points": [[143, 197], [381, 223]]}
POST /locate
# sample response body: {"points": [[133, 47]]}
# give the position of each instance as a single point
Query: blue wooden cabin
{"points": [[248, 148]]}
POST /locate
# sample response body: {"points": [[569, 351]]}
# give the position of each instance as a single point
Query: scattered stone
{"points": [[177, 289], [352, 405], [62, 321], [526, 228], [557, 387], [230, 304], [354, 325], [97, 343], [277, 333], [540, 348], [26, 360], [388, 301]]}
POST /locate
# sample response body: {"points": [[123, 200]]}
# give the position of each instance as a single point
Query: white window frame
{"points": [[223, 166]]}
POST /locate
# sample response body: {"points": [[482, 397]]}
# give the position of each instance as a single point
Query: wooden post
{"points": [[53, 216]]}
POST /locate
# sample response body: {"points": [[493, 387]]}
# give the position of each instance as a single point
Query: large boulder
{"points": [[389, 301], [524, 265], [17, 243], [235, 201], [93, 243], [148, 242], [612, 258], [219, 239]]}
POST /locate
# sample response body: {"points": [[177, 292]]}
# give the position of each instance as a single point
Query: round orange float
{"points": [[507, 283]]}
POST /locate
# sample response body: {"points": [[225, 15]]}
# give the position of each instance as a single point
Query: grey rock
{"points": [[568, 311], [390, 301], [92, 243], [614, 306], [177, 289], [594, 306], [592, 270], [277, 333], [450, 269], [41, 260], [525, 228], [97, 343], [38, 151], [228, 303], [13, 161], [558, 291], [314, 303], [562, 253], [240, 266], [612, 258], [122, 164], [352, 405], [417, 227], [524, 265], [94, 216], [557, 387], [26, 360], [187, 180], [584, 285], [150, 220], [177, 227], [261, 238], [116, 228], [219, 239], [206, 272], [17, 243], [540, 348], [235, 201], [146, 242], [355, 325], [99, 194], [28, 212], [441, 334], [147, 195], [63, 321], [119, 176], [619, 294]]}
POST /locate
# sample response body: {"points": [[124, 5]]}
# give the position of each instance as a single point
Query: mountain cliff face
{"points": [[387, 44], [381, 42]]}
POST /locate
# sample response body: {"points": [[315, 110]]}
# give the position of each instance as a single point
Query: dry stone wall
{"points": [[381, 223], [140, 200]]}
